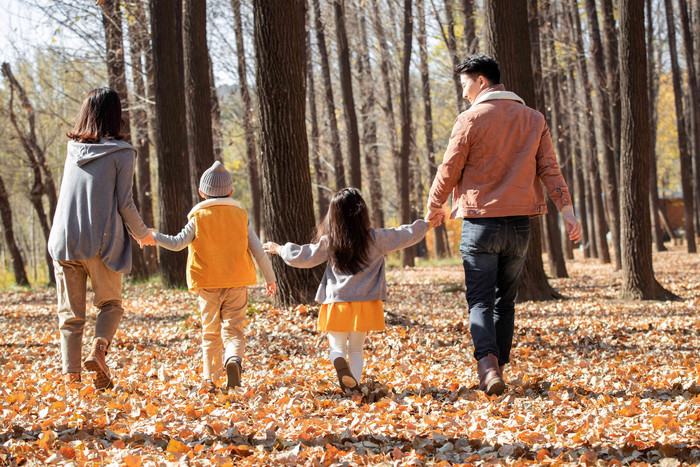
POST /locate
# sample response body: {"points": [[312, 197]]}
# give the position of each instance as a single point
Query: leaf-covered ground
{"points": [[594, 380]]}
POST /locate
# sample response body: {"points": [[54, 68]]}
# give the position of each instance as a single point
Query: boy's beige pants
{"points": [[223, 314]]}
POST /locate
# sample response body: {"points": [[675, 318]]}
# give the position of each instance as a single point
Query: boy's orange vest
{"points": [[218, 256]]}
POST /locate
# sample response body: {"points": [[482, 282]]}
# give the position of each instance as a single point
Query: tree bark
{"points": [[508, 40], [470, 40], [217, 135], [694, 97], [197, 90], [369, 128], [249, 130], [605, 135], [440, 232], [43, 184], [652, 87], [610, 45], [353, 133], [408, 254], [638, 280], [684, 152], [288, 214], [555, 255], [330, 103], [171, 132], [21, 278], [138, 45], [448, 36], [588, 122]]}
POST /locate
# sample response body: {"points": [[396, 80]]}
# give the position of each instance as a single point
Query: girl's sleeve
{"points": [[305, 256], [260, 256], [179, 241], [388, 240]]}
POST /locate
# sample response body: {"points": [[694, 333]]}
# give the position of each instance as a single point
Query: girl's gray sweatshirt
{"points": [[95, 206], [370, 282]]}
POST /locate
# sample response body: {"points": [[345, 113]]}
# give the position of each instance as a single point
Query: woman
{"points": [[89, 236]]}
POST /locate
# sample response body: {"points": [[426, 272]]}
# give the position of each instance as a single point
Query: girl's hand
{"points": [[271, 288], [272, 248]]}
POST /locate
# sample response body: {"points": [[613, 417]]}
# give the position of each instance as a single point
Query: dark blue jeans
{"points": [[493, 253]]}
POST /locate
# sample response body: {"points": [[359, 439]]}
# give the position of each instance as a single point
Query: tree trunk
{"points": [[369, 128], [217, 134], [470, 40], [610, 45], [353, 133], [605, 134], [248, 128], [508, 40], [652, 87], [638, 280], [439, 233], [17, 261], [197, 90], [43, 184], [588, 122], [555, 255], [451, 43], [171, 133], [288, 214], [694, 94], [684, 153], [138, 44], [408, 254], [330, 103]]}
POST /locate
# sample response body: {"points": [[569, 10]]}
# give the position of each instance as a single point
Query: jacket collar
{"points": [[213, 202], [497, 91]]}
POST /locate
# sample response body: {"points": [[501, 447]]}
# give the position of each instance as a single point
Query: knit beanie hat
{"points": [[216, 181]]}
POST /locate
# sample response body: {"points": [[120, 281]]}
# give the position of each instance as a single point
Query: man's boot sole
{"points": [[496, 387], [101, 380]]}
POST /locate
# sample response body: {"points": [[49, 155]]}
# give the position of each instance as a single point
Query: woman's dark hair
{"points": [[347, 225], [100, 116], [479, 64]]}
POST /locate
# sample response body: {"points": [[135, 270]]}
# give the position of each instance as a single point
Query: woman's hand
{"points": [[272, 248]]}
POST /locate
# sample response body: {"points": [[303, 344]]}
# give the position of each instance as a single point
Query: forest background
{"points": [[367, 110]]}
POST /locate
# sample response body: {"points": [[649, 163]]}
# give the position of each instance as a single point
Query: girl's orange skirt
{"points": [[352, 316]]}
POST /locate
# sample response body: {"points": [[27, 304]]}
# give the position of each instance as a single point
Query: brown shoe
{"points": [[500, 370], [345, 378], [233, 373], [96, 362], [490, 380]]}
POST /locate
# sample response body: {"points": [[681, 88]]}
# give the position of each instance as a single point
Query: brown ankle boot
{"points": [[490, 380], [96, 362], [500, 370]]}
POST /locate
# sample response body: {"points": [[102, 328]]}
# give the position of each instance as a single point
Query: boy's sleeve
{"points": [[388, 240], [260, 256], [305, 256], [179, 241]]}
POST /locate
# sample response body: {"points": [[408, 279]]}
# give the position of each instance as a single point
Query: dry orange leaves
{"points": [[593, 381]]}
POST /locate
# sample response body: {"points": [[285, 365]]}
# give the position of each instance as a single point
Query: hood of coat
{"points": [[83, 153]]}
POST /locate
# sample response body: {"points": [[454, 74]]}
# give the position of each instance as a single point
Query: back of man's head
{"points": [[480, 64]]}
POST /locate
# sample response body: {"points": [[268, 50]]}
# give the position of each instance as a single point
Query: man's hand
{"points": [[271, 288], [272, 248], [435, 216], [573, 227], [147, 240]]}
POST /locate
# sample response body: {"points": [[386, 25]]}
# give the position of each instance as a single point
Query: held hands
{"points": [[146, 240], [435, 216], [272, 248], [271, 288]]}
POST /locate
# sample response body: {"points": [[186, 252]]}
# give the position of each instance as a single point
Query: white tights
{"points": [[348, 345]]}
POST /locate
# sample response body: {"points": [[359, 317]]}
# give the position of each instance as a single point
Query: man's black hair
{"points": [[480, 64]]}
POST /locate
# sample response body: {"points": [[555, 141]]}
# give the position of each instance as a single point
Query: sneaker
{"points": [[345, 378], [96, 362], [233, 372]]}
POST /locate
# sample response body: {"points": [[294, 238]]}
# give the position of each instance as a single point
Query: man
{"points": [[499, 152]]}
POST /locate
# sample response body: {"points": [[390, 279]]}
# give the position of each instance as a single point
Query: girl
{"points": [[89, 235], [353, 286]]}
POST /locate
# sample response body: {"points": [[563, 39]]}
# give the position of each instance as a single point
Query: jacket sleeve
{"points": [[388, 240], [260, 256], [125, 200], [305, 256], [179, 241], [450, 171], [549, 173]]}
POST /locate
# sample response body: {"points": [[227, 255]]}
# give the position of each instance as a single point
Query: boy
{"points": [[219, 268]]}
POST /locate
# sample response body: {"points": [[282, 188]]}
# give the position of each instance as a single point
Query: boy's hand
{"points": [[271, 288], [272, 248], [147, 240]]}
